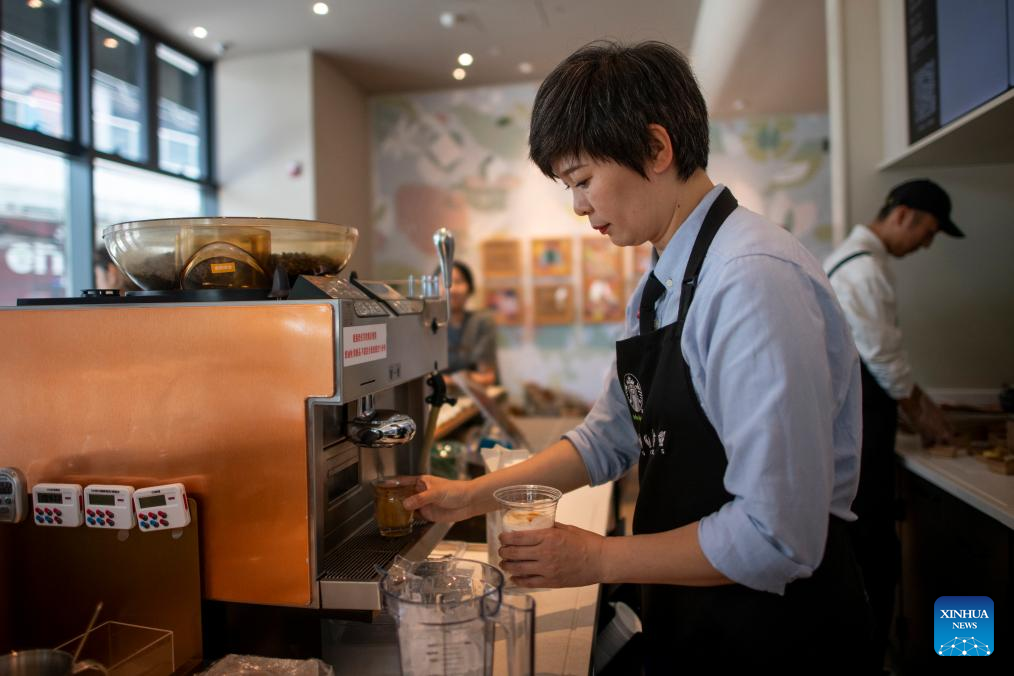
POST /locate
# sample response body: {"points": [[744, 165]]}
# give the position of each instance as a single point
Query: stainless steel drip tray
{"points": [[348, 574]]}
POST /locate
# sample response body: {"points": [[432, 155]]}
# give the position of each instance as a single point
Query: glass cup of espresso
{"points": [[527, 507], [393, 519]]}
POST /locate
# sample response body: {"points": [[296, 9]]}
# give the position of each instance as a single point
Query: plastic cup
{"points": [[527, 507], [393, 519]]}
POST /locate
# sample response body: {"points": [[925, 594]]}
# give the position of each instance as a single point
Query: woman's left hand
{"points": [[562, 556]]}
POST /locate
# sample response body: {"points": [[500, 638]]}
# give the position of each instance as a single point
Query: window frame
{"points": [[77, 147]]}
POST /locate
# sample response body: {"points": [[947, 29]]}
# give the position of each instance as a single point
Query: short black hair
{"points": [[466, 272], [600, 100]]}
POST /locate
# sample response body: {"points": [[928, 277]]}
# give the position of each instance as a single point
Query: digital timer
{"points": [[57, 505], [108, 506], [161, 507], [13, 496]]}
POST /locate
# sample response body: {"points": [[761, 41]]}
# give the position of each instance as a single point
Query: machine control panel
{"points": [[13, 495], [109, 506], [369, 308], [57, 505], [161, 507]]}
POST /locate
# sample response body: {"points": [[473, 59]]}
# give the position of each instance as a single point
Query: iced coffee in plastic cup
{"points": [[527, 507], [393, 519]]}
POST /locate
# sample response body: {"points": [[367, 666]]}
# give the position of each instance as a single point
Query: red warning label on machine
{"points": [[364, 343]]}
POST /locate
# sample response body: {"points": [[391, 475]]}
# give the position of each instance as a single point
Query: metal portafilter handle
{"points": [[443, 240]]}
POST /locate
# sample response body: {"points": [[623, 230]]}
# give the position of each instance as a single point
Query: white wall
{"points": [[956, 301], [264, 129], [342, 156]]}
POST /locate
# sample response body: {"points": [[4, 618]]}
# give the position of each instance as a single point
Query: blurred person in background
{"points": [[107, 275], [471, 335], [913, 213]]}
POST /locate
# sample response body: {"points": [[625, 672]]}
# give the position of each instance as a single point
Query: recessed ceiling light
{"points": [[199, 32], [525, 67], [35, 4], [465, 59], [448, 19], [459, 73], [111, 43], [321, 8]]}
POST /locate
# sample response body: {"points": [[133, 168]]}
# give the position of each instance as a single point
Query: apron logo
{"points": [[654, 442], [632, 389]]}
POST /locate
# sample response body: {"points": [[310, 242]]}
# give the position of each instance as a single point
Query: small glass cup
{"points": [[527, 507], [393, 519]]}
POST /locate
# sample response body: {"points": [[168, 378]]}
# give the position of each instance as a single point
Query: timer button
{"points": [[109, 513]]}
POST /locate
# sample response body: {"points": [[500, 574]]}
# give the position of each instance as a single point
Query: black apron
{"points": [[819, 621], [874, 537]]}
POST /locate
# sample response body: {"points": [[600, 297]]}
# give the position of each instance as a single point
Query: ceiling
{"points": [[776, 63]]}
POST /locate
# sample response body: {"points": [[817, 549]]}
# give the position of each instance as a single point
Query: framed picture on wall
{"points": [[642, 263], [554, 304], [551, 257], [603, 274], [505, 304], [501, 259]]}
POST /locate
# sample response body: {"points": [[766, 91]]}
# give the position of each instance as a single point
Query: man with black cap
{"points": [[911, 216]]}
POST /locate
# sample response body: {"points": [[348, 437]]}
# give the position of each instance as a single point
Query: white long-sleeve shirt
{"points": [[865, 289]]}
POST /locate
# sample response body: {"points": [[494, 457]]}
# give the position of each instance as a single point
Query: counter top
{"points": [[963, 477]]}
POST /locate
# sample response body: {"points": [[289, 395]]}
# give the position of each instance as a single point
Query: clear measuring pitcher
{"points": [[448, 612]]}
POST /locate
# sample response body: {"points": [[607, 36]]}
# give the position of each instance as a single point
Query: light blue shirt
{"points": [[777, 374]]}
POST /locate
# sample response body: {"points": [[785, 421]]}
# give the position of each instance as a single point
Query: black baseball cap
{"points": [[925, 195]]}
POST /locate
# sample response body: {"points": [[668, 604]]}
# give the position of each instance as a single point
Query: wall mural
{"points": [[458, 159]]}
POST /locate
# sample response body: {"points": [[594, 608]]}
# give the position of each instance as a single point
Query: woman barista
{"points": [[471, 336], [736, 389]]}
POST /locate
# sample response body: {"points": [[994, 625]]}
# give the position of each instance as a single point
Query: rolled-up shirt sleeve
{"points": [[760, 362], [606, 439]]}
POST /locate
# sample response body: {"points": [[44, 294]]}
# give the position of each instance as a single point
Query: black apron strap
{"points": [[850, 257], [724, 205]]}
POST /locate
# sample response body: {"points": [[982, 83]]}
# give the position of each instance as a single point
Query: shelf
{"points": [[983, 136]]}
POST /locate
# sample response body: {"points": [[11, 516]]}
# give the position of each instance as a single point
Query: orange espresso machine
{"points": [[250, 372]]}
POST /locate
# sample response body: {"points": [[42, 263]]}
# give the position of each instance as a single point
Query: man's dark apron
{"points": [[874, 537], [819, 621]]}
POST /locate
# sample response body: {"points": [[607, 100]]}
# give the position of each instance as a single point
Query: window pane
{"points": [[33, 217], [128, 194], [34, 52], [117, 108], [179, 117]]}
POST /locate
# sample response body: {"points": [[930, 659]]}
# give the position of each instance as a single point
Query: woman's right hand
{"points": [[442, 500]]}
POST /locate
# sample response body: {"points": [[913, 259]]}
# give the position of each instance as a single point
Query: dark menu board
{"points": [[923, 69]]}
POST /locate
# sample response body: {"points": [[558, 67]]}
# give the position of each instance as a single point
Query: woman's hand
{"points": [[562, 556], [442, 500]]}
